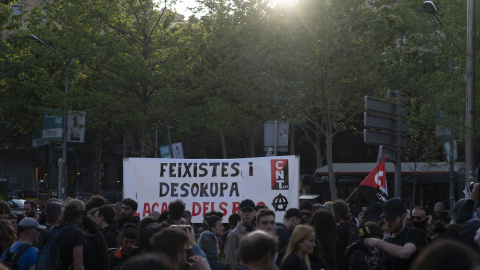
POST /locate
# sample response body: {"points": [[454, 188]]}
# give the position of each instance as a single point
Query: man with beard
{"points": [[406, 242], [129, 207], [30, 209]]}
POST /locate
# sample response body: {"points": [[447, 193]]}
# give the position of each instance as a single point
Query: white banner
{"points": [[212, 184]]}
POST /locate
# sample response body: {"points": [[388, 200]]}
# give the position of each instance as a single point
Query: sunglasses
{"points": [[416, 218]]}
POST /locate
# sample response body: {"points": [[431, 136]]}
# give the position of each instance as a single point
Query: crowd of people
{"points": [[94, 234]]}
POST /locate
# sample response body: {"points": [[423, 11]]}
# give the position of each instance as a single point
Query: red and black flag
{"points": [[374, 186]]}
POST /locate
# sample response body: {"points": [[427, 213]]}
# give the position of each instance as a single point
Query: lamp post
{"points": [[470, 95], [430, 8], [63, 168]]}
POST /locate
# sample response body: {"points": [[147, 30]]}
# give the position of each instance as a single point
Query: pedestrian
{"points": [[306, 208], [245, 225], [175, 212], [266, 220], [95, 253], [129, 207], [128, 247], [13, 220], [94, 202], [301, 244], [256, 251], [357, 253], [28, 231], [292, 218], [31, 210], [440, 214], [326, 233], [405, 243], [208, 241], [346, 231], [7, 235], [5, 210], [104, 216], [146, 261]]}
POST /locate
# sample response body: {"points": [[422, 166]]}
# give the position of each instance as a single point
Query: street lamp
{"points": [[430, 8], [63, 175]]}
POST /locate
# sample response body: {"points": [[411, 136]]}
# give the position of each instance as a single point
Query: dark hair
{"points": [[175, 209], [216, 213], [209, 222], [255, 245], [94, 202], [370, 229], [163, 216], [32, 204], [133, 204], [306, 204], [52, 211], [147, 221], [146, 261], [169, 241], [12, 216], [264, 212], [341, 209], [5, 207], [129, 231], [446, 255], [325, 229], [233, 219], [89, 225], [107, 212], [70, 213]]}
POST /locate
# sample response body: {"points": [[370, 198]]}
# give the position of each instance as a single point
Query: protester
{"points": [[406, 241], [256, 251], [148, 221], [357, 252], [94, 202], [247, 214], [13, 220], [301, 244], [346, 231], [104, 217], [419, 219], [326, 233], [95, 254], [440, 214], [306, 208], [118, 209], [146, 261], [175, 212], [447, 255], [7, 235], [5, 210], [266, 220], [28, 231], [292, 218], [30, 208], [208, 241], [127, 240], [172, 243], [129, 207]]}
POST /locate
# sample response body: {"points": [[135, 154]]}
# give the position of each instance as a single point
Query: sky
{"points": [[182, 5]]}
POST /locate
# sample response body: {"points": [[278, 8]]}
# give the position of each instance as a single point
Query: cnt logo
{"points": [[279, 174]]}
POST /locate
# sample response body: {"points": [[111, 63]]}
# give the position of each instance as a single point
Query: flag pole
{"points": [[351, 194]]}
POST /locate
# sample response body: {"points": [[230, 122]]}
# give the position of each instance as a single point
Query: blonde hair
{"points": [[300, 233]]}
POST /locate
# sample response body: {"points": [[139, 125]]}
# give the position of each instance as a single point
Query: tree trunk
{"points": [[224, 147], [318, 148], [98, 164], [291, 133], [331, 177]]}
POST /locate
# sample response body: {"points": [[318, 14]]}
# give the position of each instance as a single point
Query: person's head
{"points": [[73, 212], [395, 214], [129, 207], [302, 242], [258, 248], [95, 201], [29, 229], [171, 242], [7, 233], [259, 207], [266, 220], [30, 208], [341, 212], [247, 211], [5, 210], [419, 217], [370, 230], [127, 239], [104, 216], [175, 210], [117, 207], [52, 212], [447, 255], [148, 221], [306, 208], [292, 218], [439, 208], [233, 220], [384, 226], [214, 224], [187, 215], [13, 220], [146, 261]]}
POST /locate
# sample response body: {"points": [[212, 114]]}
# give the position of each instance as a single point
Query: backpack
{"points": [[49, 254], [11, 259]]}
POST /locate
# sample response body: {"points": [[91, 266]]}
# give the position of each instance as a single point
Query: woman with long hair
{"points": [[7, 233], [326, 233], [301, 244], [95, 254], [208, 241]]}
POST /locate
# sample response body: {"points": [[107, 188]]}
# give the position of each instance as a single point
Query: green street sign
{"points": [[52, 125], [165, 151]]}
